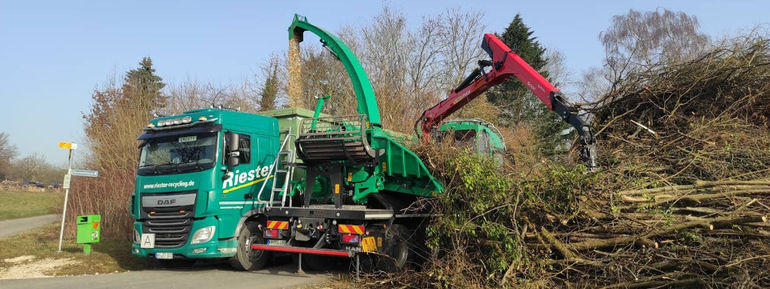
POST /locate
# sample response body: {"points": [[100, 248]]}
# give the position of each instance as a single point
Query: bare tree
{"points": [[409, 70], [640, 40], [35, 168], [594, 83], [7, 153], [193, 94], [460, 34], [388, 43], [424, 72], [558, 74], [323, 74]]}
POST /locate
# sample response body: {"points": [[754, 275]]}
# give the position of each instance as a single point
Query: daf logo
{"points": [[166, 202]]}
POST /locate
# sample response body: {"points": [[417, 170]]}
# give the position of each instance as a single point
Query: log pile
{"points": [[713, 234]]}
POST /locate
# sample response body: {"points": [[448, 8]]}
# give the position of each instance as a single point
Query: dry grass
{"points": [[106, 257], [15, 204], [109, 196]]}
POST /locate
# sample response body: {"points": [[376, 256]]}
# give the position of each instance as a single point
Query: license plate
{"points": [[164, 255], [276, 242], [368, 244], [147, 241]]}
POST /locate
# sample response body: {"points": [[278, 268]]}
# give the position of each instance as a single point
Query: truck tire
{"points": [[395, 252], [245, 258]]}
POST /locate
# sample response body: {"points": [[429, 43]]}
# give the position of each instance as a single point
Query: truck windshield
{"points": [[177, 154]]}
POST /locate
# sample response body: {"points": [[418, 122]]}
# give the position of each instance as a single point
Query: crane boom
{"points": [[503, 64]]}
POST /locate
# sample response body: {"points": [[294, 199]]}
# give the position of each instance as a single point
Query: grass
{"points": [[14, 204], [108, 256]]}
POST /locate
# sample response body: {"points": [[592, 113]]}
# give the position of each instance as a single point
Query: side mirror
{"points": [[232, 153]]}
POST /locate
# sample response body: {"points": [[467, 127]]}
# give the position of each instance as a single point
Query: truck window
{"points": [[244, 146], [177, 154]]}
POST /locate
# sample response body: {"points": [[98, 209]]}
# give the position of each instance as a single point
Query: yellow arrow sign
{"points": [[68, 145]]}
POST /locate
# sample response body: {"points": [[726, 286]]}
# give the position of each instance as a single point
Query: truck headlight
{"points": [[136, 236], [203, 235]]}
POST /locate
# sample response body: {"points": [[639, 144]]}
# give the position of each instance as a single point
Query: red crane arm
{"points": [[506, 63]]}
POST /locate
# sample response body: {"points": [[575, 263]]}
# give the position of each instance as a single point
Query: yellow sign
{"points": [[68, 145], [368, 244]]}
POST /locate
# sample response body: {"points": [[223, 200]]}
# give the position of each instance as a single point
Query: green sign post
{"points": [[88, 231]]}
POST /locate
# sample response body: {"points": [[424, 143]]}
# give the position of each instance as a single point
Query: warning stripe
{"points": [[351, 229], [281, 225]]}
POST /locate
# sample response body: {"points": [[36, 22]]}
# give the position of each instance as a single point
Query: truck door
{"points": [[238, 181]]}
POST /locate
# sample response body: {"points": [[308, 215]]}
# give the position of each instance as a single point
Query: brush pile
{"points": [[682, 199], [685, 196], [707, 119]]}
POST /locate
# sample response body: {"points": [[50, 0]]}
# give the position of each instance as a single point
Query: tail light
{"points": [[272, 234], [350, 238]]}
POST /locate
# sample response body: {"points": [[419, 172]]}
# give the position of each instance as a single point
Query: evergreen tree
{"points": [[118, 115], [515, 100], [269, 91], [143, 87]]}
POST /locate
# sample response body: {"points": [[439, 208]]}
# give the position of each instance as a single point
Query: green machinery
{"points": [[357, 145], [219, 183], [359, 180], [478, 133]]}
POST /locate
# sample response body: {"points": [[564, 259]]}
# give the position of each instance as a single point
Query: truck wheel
{"points": [[396, 250], [245, 258]]}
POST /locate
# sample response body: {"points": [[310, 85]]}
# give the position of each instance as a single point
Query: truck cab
{"points": [[199, 176]]}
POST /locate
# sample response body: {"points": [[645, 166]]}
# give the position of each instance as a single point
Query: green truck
{"points": [[217, 183], [212, 182], [188, 203]]}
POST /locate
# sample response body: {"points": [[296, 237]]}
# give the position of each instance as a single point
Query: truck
{"points": [[219, 183]]}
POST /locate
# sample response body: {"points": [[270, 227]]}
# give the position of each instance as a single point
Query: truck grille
{"points": [[170, 224]]}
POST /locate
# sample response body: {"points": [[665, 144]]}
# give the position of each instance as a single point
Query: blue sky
{"points": [[53, 54]]}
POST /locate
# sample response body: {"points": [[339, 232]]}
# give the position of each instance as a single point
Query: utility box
{"points": [[88, 229]]}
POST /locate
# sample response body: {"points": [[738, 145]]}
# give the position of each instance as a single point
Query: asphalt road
{"points": [[196, 277], [199, 276], [15, 226]]}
